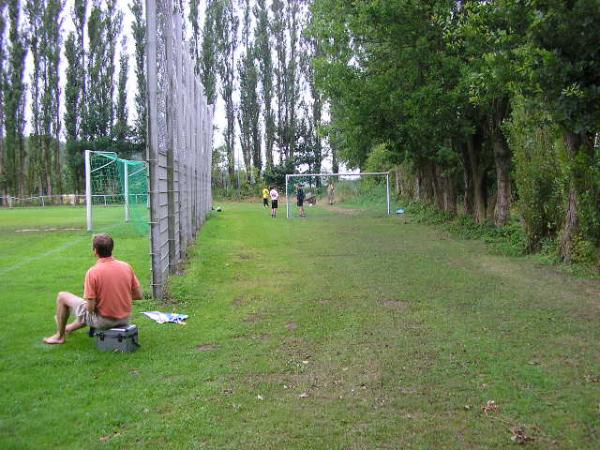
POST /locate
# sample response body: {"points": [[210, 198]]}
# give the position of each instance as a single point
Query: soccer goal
{"points": [[116, 190], [339, 192]]}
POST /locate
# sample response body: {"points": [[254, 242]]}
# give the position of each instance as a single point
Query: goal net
{"points": [[116, 192], [347, 193]]}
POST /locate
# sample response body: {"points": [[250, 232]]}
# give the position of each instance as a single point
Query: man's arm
{"points": [[137, 293], [91, 304]]}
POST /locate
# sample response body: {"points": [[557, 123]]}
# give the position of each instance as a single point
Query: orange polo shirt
{"points": [[111, 283]]}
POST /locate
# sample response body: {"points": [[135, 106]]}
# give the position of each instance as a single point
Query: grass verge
{"points": [[335, 331]]}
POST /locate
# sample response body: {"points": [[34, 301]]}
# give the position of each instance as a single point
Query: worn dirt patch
{"points": [[400, 305], [291, 326], [239, 301], [253, 318], [45, 230], [338, 210], [206, 347]]}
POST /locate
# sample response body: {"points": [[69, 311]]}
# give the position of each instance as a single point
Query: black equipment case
{"points": [[124, 339]]}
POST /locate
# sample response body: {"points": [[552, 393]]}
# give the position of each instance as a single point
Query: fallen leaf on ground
{"points": [[490, 407], [109, 437], [519, 436], [304, 395]]}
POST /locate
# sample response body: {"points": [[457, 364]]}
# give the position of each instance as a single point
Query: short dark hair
{"points": [[103, 244]]}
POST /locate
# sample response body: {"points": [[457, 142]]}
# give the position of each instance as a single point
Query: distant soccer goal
{"points": [[116, 190], [339, 192]]}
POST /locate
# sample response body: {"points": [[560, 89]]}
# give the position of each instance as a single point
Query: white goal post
{"points": [[290, 177]]}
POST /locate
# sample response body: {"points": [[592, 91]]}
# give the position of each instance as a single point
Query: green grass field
{"points": [[341, 331]]}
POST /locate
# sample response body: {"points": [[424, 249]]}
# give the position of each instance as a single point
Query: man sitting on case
{"points": [[109, 290]]}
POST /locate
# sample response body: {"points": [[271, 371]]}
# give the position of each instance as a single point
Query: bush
{"points": [[539, 174]]}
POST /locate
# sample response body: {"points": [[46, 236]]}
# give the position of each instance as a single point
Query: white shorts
{"points": [[96, 320]]}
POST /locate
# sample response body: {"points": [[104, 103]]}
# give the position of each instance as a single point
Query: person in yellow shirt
{"points": [[265, 193]]}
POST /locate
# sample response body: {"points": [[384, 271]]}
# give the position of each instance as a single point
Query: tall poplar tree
{"points": [[79, 16], [121, 129], [73, 110], [97, 97], [291, 69], [265, 75], [195, 40], [209, 55], [227, 26], [3, 186], [14, 102], [277, 30], [312, 51], [113, 23], [138, 29], [36, 177], [52, 45], [249, 110]]}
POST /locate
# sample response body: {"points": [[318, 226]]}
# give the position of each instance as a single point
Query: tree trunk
{"points": [[468, 181], [474, 149], [22, 175], [426, 186], [47, 165], [449, 195], [436, 183], [503, 192], [573, 142]]}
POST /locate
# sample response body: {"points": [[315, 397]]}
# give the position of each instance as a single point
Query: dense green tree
{"points": [[566, 71], [490, 37]]}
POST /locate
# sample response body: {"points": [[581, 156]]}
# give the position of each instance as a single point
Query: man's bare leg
{"points": [[64, 302], [75, 325]]}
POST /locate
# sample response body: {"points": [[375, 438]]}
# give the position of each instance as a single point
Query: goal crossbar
{"points": [[346, 174]]}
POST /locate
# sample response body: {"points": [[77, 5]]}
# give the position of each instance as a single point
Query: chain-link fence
{"points": [[179, 141]]}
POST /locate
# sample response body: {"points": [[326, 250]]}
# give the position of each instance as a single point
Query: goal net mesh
{"points": [[119, 192], [335, 193]]}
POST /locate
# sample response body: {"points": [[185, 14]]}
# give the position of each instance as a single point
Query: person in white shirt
{"points": [[274, 197]]}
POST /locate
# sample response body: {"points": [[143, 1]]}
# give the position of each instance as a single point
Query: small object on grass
{"points": [[219, 209], [303, 395], [160, 317], [400, 211], [260, 397]]}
